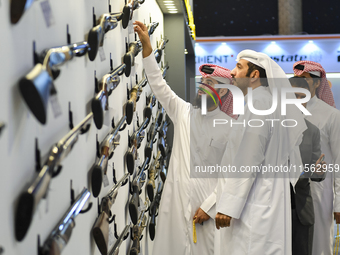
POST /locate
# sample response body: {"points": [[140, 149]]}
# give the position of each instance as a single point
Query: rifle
{"points": [[137, 185], [129, 57], [100, 102], [163, 170], [152, 27], [30, 198], [100, 230], [135, 93], [162, 136], [150, 103], [137, 231], [61, 234], [134, 143], [152, 173], [105, 23], [123, 236], [160, 47], [107, 147], [153, 210], [37, 85], [164, 70], [18, 7], [151, 138], [128, 11]]}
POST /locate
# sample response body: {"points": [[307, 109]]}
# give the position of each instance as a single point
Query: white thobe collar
{"points": [[256, 91], [213, 112], [311, 103]]}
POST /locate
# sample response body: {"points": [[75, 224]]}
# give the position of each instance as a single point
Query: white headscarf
{"points": [[287, 139]]}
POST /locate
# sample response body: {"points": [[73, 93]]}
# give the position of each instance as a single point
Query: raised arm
{"points": [[169, 100]]}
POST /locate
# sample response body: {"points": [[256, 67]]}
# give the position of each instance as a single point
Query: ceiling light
{"points": [[172, 8], [173, 12], [273, 42], [169, 4], [310, 41], [168, 1]]}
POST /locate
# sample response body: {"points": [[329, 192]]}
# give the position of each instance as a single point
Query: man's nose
{"points": [[232, 73]]}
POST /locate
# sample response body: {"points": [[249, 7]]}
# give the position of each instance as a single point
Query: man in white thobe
{"points": [[196, 143], [326, 194], [255, 206]]}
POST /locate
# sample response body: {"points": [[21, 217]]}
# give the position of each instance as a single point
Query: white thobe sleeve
{"points": [[334, 143], [209, 205], [171, 103], [250, 152]]}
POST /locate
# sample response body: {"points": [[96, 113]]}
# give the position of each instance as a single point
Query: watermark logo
{"points": [[238, 100]]}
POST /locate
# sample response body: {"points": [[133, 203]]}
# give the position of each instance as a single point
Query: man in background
{"points": [[325, 194], [302, 202]]}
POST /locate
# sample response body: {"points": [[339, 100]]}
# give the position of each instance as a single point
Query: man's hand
{"points": [[321, 167], [337, 217], [200, 216], [143, 35], [222, 220]]}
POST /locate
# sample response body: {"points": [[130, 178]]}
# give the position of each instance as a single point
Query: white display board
{"points": [[75, 86]]}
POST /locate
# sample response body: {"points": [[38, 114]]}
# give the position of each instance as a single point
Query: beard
{"points": [[198, 101]]}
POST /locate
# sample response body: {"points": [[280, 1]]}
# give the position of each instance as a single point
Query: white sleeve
{"points": [[209, 205], [172, 103], [334, 143]]}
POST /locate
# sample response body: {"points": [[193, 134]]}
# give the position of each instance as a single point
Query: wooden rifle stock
{"points": [[100, 229], [150, 186]]}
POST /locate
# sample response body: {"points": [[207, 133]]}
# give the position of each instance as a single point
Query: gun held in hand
{"points": [[105, 23], [30, 198], [100, 230]]}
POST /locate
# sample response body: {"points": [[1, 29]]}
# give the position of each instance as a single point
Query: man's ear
{"points": [[222, 92], [254, 75], [316, 83]]}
